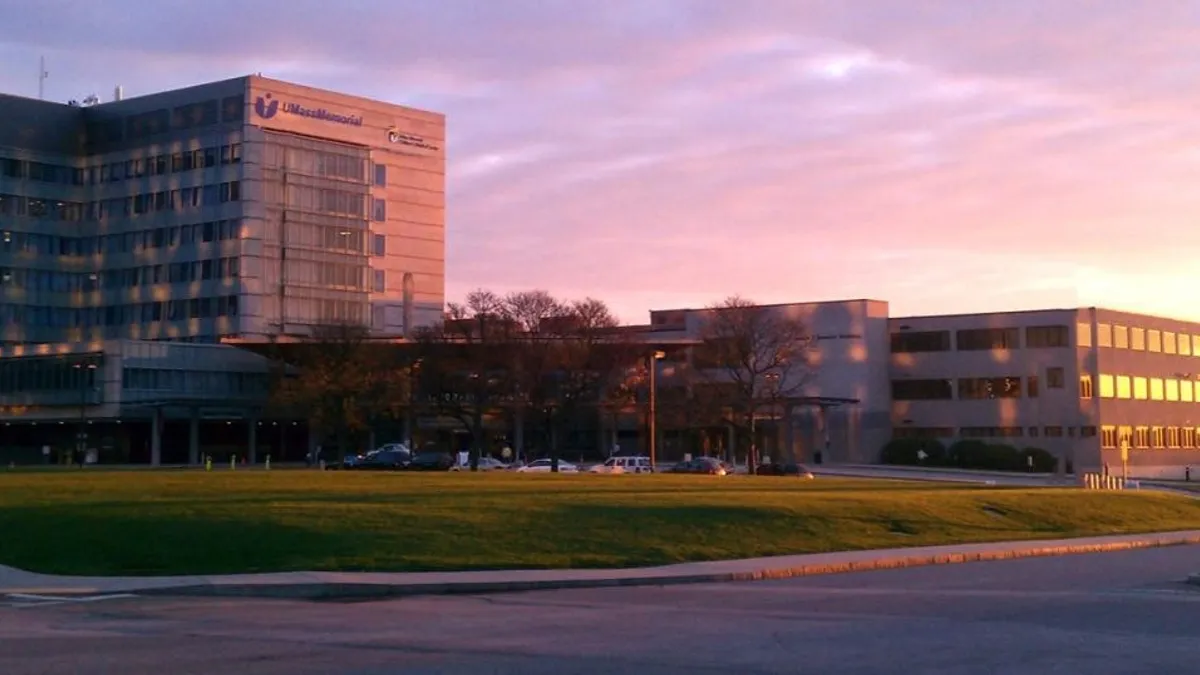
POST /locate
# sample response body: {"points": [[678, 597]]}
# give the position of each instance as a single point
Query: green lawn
{"points": [[184, 522]]}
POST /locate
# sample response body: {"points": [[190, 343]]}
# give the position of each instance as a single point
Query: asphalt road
{"points": [[1097, 614]]}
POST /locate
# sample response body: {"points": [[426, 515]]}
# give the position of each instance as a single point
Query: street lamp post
{"points": [[85, 375], [652, 417]]}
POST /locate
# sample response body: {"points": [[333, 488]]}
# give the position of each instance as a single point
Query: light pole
{"points": [[86, 371], [652, 417], [773, 394]]}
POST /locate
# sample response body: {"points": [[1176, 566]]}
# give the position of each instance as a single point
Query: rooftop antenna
{"points": [[42, 75]]}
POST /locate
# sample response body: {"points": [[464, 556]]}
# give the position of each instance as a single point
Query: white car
{"points": [[624, 465], [543, 466], [485, 464]]}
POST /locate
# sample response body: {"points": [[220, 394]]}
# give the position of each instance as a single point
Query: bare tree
{"points": [[339, 381], [760, 352], [463, 362]]}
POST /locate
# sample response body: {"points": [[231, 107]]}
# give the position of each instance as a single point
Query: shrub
{"points": [[906, 451], [975, 454]]}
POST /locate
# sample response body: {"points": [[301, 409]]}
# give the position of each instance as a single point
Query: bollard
{"points": [[208, 462], [322, 465], [268, 464], [233, 463]]}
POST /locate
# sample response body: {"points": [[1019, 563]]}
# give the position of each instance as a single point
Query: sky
{"points": [[946, 156]]}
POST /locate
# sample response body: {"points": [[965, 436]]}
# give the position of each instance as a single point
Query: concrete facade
{"points": [[842, 408], [1076, 382], [245, 208]]}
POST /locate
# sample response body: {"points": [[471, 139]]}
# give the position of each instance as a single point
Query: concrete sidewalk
{"points": [[329, 585]]}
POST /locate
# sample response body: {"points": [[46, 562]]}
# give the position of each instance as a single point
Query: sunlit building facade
{"points": [[1082, 383], [243, 210]]}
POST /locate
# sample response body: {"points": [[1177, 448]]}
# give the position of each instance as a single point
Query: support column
{"points": [[601, 436], [156, 425], [730, 444], [194, 437], [252, 442]]}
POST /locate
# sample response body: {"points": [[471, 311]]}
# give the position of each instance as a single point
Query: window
{"points": [[1124, 436], [1172, 437], [1047, 336], [1157, 437], [1141, 388], [379, 281], [1083, 334], [381, 175], [1172, 389], [978, 388], [1034, 431], [1187, 437], [920, 341], [378, 245], [1185, 344], [991, 432], [1196, 345], [1085, 386], [1124, 386], [1055, 378], [1157, 390], [922, 390], [1108, 437], [1087, 432], [1137, 340], [1141, 437], [1153, 341], [987, 339], [1054, 432], [1186, 393], [1104, 336], [380, 210], [1120, 337], [1031, 386], [1169, 345]]}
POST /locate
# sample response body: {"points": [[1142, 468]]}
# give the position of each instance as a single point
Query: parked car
{"points": [[543, 466], [375, 460], [624, 465], [485, 464], [431, 461], [702, 465], [789, 469]]}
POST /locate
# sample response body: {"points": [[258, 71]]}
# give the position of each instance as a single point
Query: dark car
{"points": [[431, 461], [702, 465], [777, 469], [380, 460]]}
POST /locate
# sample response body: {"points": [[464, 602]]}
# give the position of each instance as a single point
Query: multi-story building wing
{"points": [[248, 208], [1080, 383]]}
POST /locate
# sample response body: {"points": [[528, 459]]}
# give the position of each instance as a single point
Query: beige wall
{"points": [[410, 143], [1052, 407], [1132, 412]]}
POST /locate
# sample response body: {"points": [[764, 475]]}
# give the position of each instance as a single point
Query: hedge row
{"points": [[967, 454]]}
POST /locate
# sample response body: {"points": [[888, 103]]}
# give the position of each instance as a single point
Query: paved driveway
{"points": [[1097, 614]]}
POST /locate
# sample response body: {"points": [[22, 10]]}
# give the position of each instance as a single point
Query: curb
{"points": [[350, 591]]}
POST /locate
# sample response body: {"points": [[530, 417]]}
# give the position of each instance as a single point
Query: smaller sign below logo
{"points": [[396, 136]]}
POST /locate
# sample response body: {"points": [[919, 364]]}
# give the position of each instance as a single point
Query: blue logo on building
{"points": [[264, 109]]}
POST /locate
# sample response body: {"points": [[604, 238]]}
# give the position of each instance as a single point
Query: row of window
{"points": [[994, 432], [1150, 437], [122, 242], [1142, 388], [156, 165], [128, 206], [976, 388], [980, 339], [105, 131], [76, 282], [42, 374], [1137, 339], [194, 381], [119, 315]]}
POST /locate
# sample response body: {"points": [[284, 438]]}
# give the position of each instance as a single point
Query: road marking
{"points": [[26, 600]]}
